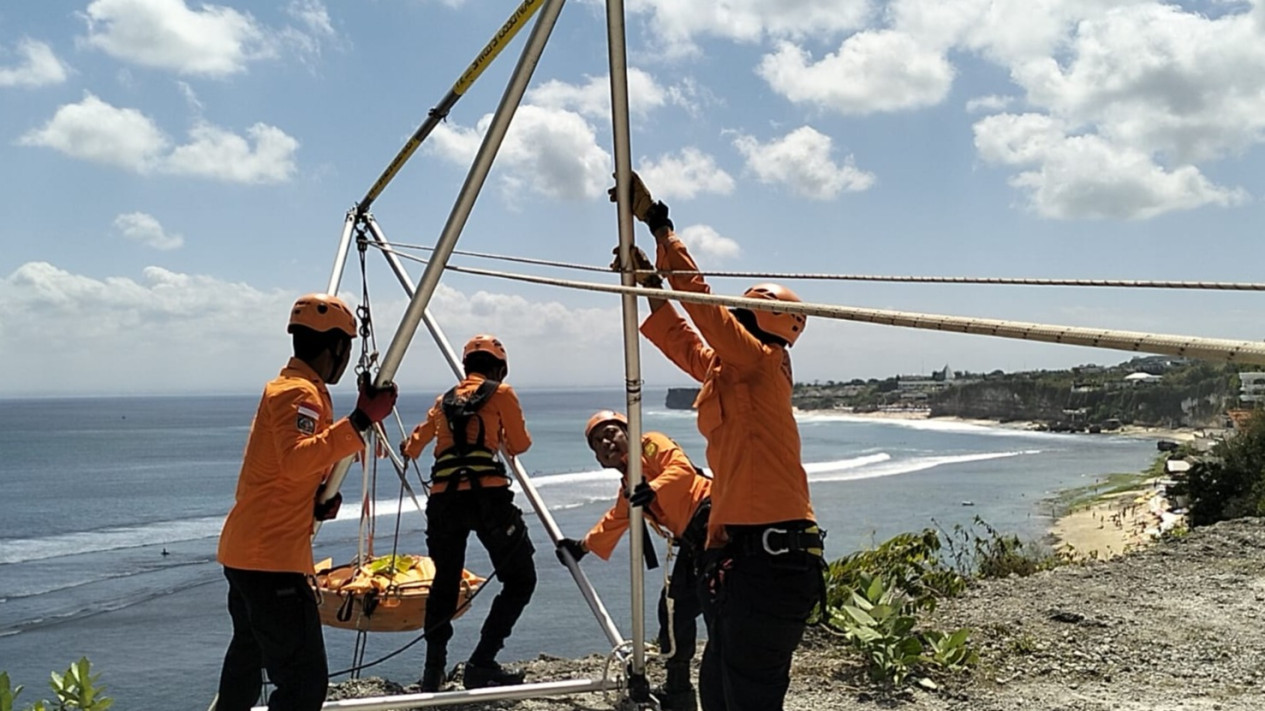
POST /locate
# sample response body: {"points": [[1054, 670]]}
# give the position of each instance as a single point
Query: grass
{"points": [[1112, 485]]}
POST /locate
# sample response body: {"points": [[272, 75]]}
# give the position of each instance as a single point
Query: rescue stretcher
{"points": [[384, 594]]}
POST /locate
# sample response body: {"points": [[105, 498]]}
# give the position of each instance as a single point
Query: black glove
{"points": [[642, 495], [572, 546], [328, 510], [657, 216]]}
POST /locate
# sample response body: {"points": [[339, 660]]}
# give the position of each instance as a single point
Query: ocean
{"points": [[94, 490]]}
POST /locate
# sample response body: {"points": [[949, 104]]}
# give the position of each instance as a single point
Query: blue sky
{"points": [[176, 174]]}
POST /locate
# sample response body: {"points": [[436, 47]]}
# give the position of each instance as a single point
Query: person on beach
{"points": [[266, 543], [470, 493], [762, 570], [677, 499]]}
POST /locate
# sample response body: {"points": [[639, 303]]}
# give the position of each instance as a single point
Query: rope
{"points": [[1214, 349], [792, 276]]}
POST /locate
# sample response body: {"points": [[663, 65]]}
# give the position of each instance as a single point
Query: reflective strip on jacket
{"points": [[744, 407], [293, 444], [678, 491], [502, 418]]}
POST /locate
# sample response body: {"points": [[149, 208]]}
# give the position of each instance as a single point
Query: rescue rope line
{"points": [[1213, 349], [1008, 281]]}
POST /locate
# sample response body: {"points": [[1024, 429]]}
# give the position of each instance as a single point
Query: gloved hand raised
{"points": [[644, 274], [328, 510], [374, 403], [642, 495], [572, 546], [641, 200]]}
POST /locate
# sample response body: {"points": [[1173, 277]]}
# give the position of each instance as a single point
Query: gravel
{"points": [[1172, 627]]}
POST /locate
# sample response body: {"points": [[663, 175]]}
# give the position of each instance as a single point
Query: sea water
{"points": [[94, 490]]}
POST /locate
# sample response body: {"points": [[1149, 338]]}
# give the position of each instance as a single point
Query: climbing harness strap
{"points": [[467, 460]]}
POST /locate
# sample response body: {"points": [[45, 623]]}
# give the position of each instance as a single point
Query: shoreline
{"points": [[1180, 434], [1112, 524]]}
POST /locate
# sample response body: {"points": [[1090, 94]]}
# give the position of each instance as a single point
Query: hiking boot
{"points": [[677, 699], [477, 676], [433, 677]]}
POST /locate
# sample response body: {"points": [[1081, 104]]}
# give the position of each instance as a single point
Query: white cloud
{"points": [[801, 159], [1142, 96], [703, 240], [94, 130], [145, 229], [547, 151], [212, 40], [149, 334], [38, 66], [684, 175], [872, 71], [1084, 176], [988, 104], [678, 25], [593, 97]]}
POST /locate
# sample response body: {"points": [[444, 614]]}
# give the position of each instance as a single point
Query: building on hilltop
{"points": [[1252, 387]]}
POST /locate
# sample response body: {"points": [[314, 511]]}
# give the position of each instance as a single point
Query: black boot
{"points": [[433, 677], [677, 693], [477, 675]]}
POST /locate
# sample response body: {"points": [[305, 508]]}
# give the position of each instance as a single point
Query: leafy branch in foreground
{"points": [[76, 689]]}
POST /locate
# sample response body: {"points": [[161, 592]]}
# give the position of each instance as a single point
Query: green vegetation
{"points": [[1112, 485], [77, 688], [1085, 397], [1230, 481], [875, 596]]}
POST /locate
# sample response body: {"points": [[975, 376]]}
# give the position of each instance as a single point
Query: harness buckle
{"points": [[764, 541]]}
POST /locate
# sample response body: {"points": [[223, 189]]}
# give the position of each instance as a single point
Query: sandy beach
{"points": [[1181, 434]]}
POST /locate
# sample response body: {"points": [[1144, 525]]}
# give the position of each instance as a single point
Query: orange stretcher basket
{"points": [[382, 594]]}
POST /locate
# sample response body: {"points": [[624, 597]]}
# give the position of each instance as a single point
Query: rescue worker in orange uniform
{"points": [[762, 571], [676, 497], [470, 493], [266, 543]]}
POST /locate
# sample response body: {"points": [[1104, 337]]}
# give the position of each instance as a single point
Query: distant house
{"points": [[1140, 378], [1252, 387]]}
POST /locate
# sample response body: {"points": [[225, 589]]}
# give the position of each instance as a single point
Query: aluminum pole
{"points": [[460, 211], [470, 189], [471, 696], [632, 360], [520, 473], [436, 115], [340, 257]]}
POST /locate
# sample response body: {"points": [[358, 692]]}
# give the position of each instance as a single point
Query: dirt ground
{"points": [[1173, 627]]}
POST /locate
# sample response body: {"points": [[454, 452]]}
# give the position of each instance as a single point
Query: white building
{"points": [[1252, 388]]}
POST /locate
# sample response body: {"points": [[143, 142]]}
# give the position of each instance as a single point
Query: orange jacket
{"points": [[678, 491], [744, 407], [502, 422], [293, 444]]}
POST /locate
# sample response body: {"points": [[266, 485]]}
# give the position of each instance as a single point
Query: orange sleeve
{"points": [[517, 440], [299, 453], [605, 535], [730, 340], [673, 336], [422, 435]]}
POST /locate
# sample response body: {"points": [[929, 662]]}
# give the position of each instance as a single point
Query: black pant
{"points": [[275, 627], [491, 514], [756, 607], [682, 624]]}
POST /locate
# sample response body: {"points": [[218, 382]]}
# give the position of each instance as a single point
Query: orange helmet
{"points": [[786, 326], [484, 343], [322, 312], [600, 418]]}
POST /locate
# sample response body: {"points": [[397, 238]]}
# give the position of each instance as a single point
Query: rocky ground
{"points": [[1176, 626]]}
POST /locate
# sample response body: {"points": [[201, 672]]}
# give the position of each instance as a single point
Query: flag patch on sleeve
{"points": [[306, 422]]}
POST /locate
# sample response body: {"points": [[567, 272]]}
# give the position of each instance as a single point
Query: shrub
{"points": [[1230, 483], [76, 689]]}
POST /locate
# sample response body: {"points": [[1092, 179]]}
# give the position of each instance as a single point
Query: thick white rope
{"points": [[1215, 349]]}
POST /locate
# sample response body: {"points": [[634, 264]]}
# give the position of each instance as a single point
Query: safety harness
{"points": [[467, 460]]}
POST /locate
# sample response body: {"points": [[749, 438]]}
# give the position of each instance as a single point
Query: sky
{"points": [[176, 174]]}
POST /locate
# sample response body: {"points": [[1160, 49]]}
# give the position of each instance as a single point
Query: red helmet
{"points": [[600, 418], [786, 326], [483, 343], [322, 312]]}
